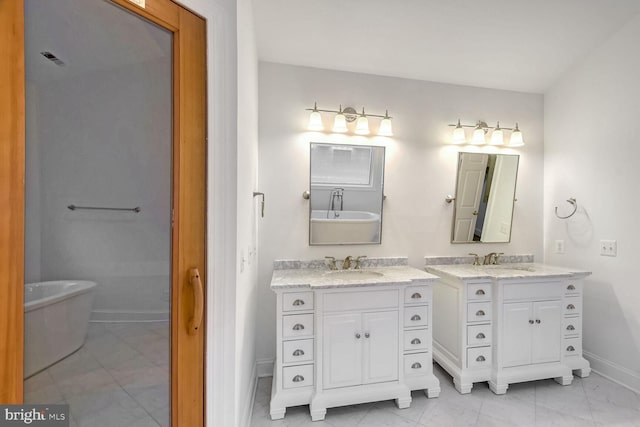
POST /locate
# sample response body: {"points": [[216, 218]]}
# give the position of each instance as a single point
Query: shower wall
{"points": [[103, 138]]}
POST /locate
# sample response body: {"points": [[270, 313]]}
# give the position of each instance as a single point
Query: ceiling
{"points": [[522, 45]]}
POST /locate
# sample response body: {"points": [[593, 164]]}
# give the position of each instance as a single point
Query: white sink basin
{"points": [[510, 267], [354, 274]]}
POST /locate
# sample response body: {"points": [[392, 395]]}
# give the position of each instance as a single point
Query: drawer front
{"points": [[297, 301], [417, 364], [479, 292], [297, 325], [417, 294], [297, 376], [479, 357], [478, 311], [416, 340], [572, 306], [416, 316], [297, 351], [478, 335], [362, 300], [572, 287], [571, 326], [572, 347], [528, 291]]}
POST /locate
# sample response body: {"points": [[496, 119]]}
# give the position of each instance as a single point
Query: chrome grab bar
{"points": [[102, 208]]}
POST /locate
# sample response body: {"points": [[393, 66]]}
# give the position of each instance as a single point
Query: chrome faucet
{"points": [[346, 264], [490, 258], [497, 258], [476, 258], [336, 201], [331, 262], [359, 262]]}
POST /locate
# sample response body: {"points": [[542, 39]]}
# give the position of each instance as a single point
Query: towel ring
{"points": [[572, 201]]}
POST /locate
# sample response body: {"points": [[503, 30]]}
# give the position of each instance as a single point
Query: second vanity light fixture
{"points": [[480, 130], [349, 115]]}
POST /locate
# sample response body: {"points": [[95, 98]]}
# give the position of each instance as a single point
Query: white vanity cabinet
{"points": [[508, 324], [369, 341]]}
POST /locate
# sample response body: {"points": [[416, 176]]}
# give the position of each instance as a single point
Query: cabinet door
{"points": [[516, 334], [381, 347], [547, 331], [342, 350]]}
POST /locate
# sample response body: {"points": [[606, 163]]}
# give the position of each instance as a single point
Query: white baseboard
{"points": [[265, 367], [614, 372], [247, 409]]}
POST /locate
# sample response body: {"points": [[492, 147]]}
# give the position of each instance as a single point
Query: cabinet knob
{"points": [[416, 341], [298, 302], [479, 292], [480, 336], [571, 307], [531, 321], [571, 328], [416, 296], [298, 378], [538, 321], [298, 327], [416, 365], [480, 359], [571, 348], [415, 318], [480, 313], [357, 335], [571, 288], [298, 352], [366, 335]]}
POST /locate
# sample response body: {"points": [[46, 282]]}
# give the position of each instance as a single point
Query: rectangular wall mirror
{"points": [[346, 194], [485, 195]]}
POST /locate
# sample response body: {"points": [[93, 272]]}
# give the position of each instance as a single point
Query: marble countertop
{"points": [[324, 279], [504, 271]]}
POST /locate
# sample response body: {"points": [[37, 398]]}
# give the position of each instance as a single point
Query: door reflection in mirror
{"points": [[485, 193], [346, 194]]}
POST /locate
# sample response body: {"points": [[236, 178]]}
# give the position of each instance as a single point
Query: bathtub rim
{"points": [[83, 287]]}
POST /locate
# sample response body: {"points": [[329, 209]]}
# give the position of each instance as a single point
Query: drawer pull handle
{"points": [[480, 313], [480, 336], [416, 365], [416, 341], [298, 378], [480, 359], [571, 348], [479, 292], [416, 296], [531, 321], [366, 335], [298, 352], [571, 328], [416, 317], [298, 327], [571, 288], [298, 302], [538, 321], [571, 307], [357, 335]]}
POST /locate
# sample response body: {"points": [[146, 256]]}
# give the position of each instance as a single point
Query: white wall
{"points": [[591, 153], [420, 166], [32, 188]]}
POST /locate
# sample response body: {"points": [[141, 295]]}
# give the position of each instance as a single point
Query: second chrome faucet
{"points": [[346, 263]]}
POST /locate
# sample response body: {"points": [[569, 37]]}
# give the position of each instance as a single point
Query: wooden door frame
{"points": [[189, 201]]}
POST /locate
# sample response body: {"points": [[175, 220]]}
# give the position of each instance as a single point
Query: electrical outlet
{"points": [[242, 260], [608, 248], [559, 247]]}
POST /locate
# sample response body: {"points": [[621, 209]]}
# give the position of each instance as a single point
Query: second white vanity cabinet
{"points": [[354, 336]]}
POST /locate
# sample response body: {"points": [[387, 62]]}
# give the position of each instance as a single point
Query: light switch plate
{"points": [[608, 248]]}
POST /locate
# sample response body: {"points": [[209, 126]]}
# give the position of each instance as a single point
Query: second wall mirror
{"points": [[346, 194], [485, 195]]}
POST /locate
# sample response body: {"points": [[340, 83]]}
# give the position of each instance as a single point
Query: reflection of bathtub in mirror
{"points": [[344, 227]]}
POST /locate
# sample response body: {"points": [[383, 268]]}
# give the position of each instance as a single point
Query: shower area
{"points": [[98, 217]]}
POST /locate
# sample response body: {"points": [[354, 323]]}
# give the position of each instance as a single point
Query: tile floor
{"points": [[119, 378], [592, 401]]}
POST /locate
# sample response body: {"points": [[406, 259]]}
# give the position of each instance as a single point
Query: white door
{"points": [[342, 350], [471, 171], [380, 361], [547, 331], [516, 334]]}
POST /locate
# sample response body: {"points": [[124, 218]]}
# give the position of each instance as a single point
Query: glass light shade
{"points": [[459, 135], [497, 137], [516, 138], [340, 123], [315, 121], [478, 136], [362, 126], [385, 127]]}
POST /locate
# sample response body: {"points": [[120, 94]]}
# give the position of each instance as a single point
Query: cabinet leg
{"points": [[583, 373], [317, 414], [566, 380], [498, 388], [277, 413], [432, 392], [463, 388], [403, 402]]}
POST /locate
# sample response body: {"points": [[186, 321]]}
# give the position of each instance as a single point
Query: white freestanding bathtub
{"points": [[348, 227], [56, 318]]}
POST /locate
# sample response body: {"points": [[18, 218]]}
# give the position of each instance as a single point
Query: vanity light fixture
{"points": [[349, 115], [480, 134]]}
